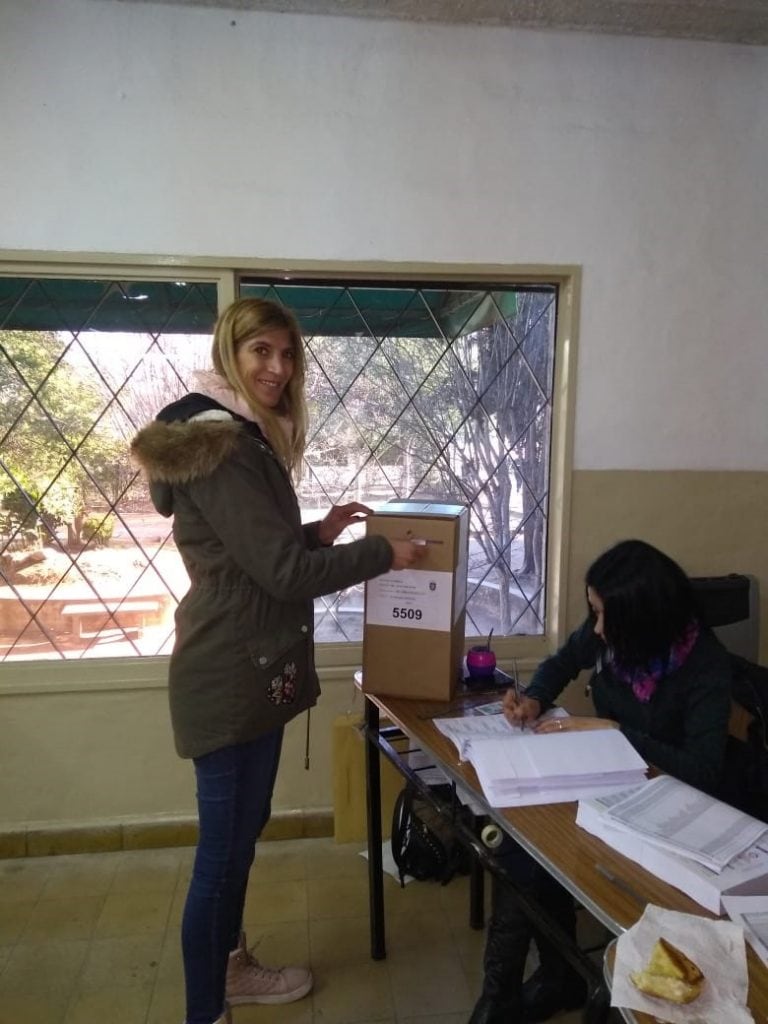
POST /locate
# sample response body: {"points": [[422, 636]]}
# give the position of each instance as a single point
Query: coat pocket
{"points": [[283, 663]]}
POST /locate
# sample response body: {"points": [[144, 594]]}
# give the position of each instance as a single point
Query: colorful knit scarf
{"points": [[645, 680]]}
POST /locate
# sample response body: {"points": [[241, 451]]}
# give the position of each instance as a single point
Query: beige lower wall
{"points": [[710, 522], [107, 755]]}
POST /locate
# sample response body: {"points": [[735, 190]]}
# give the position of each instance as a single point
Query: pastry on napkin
{"points": [[670, 975], [715, 947]]}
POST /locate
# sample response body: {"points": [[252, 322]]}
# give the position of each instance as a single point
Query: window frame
{"points": [[335, 661]]}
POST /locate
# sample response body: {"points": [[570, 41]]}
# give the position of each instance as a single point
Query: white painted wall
{"points": [[164, 129]]}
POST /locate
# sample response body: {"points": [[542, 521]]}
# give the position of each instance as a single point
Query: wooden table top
{"points": [[550, 833]]}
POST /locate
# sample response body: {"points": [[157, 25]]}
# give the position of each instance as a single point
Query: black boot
{"points": [[506, 949], [493, 1010], [545, 993], [554, 985]]}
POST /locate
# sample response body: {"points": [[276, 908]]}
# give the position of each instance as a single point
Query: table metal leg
{"points": [[373, 808], [476, 894]]}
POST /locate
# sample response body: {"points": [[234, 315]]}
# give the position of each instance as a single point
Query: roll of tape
{"points": [[492, 836]]}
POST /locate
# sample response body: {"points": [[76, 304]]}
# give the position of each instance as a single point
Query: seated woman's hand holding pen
{"points": [[519, 710], [524, 711]]}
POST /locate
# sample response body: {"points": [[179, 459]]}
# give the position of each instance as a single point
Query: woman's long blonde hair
{"points": [[240, 321]]}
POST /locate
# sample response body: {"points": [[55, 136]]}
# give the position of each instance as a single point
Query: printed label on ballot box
{"points": [[410, 599]]}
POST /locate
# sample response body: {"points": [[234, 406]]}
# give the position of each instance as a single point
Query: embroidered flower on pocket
{"points": [[282, 688]]}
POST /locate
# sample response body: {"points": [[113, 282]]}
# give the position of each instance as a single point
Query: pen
{"points": [[621, 884]]}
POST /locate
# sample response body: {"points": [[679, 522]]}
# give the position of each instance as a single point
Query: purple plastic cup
{"points": [[481, 662]]}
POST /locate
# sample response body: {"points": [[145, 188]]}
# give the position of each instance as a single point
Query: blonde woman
{"points": [[220, 462]]}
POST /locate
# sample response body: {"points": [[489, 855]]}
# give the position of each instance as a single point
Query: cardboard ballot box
{"points": [[413, 637]]}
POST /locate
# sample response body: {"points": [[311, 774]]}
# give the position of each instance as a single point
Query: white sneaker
{"points": [[250, 982]]}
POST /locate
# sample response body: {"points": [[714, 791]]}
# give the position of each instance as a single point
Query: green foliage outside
{"points": [[52, 452], [97, 530]]}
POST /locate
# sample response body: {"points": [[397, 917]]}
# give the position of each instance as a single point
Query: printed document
{"points": [[481, 725], [678, 817]]}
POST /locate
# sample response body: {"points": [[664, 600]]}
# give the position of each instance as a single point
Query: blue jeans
{"points": [[234, 794]]}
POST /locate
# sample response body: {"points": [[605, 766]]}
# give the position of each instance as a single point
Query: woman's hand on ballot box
{"points": [[339, 518], [406, 553]]}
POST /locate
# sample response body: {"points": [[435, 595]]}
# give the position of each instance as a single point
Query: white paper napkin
{"points": [[717, 947]]}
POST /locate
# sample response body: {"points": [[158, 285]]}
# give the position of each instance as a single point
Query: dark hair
{"points": [[647, 601]]}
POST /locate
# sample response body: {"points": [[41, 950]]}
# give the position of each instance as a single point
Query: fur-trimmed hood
{"points": [[177, 452], [189, 440]]}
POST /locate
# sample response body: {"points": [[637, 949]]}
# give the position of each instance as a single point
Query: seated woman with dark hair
{"points": [[665, 681]]}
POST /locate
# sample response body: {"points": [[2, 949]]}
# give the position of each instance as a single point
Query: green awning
{"points": [[65, 304], [384, 310], [335, 310]]}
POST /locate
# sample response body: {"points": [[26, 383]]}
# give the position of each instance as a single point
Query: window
{"points": [[85, 569], [434, 392], [416, 389]]}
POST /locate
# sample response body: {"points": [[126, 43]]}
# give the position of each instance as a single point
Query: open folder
{"points": [[517, 767]]}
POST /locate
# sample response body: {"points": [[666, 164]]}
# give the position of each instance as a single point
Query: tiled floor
{"points": [[93, 939]]}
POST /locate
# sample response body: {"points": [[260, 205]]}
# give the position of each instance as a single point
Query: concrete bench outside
{"points": [[129, 615]]}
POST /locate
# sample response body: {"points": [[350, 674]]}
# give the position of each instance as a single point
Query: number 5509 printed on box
{"points": [[410, 599]]}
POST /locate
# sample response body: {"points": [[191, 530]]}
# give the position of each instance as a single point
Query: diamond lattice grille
{"points": [[438, 392], [447, 396], [86, 566]]}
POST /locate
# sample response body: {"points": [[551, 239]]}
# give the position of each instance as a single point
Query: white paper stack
{"points": [[690, 840], [517, 767]]}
